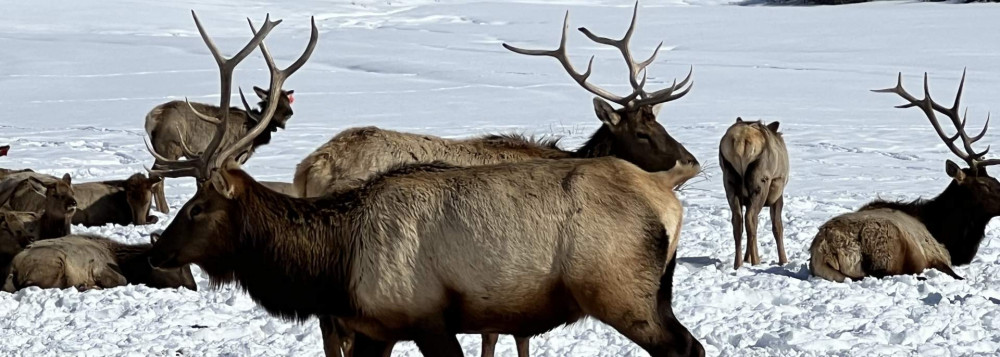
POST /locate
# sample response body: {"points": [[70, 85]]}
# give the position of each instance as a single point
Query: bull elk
{"points": [[630, 133], [90, 262], [891, 238], [401, 257], [754, 164], [176, 131]]}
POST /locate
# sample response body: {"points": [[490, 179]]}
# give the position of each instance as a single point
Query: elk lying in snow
{"points": [[15, 234], [176, 131], [90, 262], [630, 133], [401, 257], [120, 202], [892, 238], [754, 171], [53, 201]]}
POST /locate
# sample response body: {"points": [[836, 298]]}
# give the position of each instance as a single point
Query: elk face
{"points": [[198, 233], [981, 188], [139, 193], [284, 109], [59, 197], [640, 139]]}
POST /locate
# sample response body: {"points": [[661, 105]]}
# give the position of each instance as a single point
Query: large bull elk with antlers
{"points": [[401, 257], [630, 133], [892, 238]]}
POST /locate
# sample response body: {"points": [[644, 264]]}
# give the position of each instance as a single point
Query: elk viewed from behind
{"points": [[90, 262], [754, 164], [175, 130], [892, 238], [343, 256], [630, 133]]}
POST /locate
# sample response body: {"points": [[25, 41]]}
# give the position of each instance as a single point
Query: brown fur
{"points": [[754, 164], [281, 187], [172, 127], [53, 199], [90, 262], [121, 202], [427, 251]]}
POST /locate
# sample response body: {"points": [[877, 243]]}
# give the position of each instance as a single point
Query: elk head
{"points": [[203, 229], [60, 199], [139, 193], [972, 184], [284, 110], [636, 135]]}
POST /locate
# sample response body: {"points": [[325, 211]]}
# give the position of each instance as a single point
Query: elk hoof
{"points": [[152, 220]]}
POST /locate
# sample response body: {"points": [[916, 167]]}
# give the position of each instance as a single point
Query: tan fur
{"points": [[354, 155], [890, 241], [63, 263], [281, 187], [754, 163]]}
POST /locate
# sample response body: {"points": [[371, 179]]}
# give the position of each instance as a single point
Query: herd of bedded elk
{"points": [[388, 236]]}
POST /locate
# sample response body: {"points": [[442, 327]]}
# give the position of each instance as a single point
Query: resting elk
{"points": [[402, 256], [90, 262], [176, 131], [892, 238], [52, 201], [630, 133], [754, 164], [120, 202]]}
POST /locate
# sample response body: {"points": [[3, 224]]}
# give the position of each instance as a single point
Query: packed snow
{"points": [[77, 78]]}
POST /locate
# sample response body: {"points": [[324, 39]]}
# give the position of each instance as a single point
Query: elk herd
{"points": [[389, 236]]}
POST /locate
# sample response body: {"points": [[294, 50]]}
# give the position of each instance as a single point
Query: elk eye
{"points": [[642, 136], [194, 211]]}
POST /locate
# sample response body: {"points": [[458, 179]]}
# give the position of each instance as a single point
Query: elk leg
{"points": [[758, 195], [365, 346], [522, 346], [331, 339], [439, 344], [489, 344], [161, 197], [737, 220], [778, 229]]}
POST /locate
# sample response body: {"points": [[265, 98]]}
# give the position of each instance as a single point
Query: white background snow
{"points": [[77, 78]]}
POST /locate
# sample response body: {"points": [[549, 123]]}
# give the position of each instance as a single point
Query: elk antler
{"points": [[639, 96], [930, 107], [203, 165]]}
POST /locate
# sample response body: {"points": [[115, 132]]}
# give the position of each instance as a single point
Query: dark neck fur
{"points": [[133, 260], [950, 217], [292, 257], [50, 226], [599, 144]]}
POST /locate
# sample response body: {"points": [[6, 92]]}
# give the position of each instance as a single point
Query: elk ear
{"points": [[260, 92], [773, 126], [606, 113], [233, 181], [739, 119], [67, 179], [954, 171], [656, 109]]}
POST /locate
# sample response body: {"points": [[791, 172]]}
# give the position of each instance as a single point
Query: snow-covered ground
{"points": [[77, 78]]}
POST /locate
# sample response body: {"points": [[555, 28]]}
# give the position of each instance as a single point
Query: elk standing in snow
{"points": [[90, 262], [176, 131], [754, 165], [402, 256], [892, 238], [630, 133]]}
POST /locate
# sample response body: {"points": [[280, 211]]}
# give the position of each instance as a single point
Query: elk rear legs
{"points": [[490, 343], [778, 229], [758, 197]]}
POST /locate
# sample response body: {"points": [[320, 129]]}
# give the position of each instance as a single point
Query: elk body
{"points": [[121, 202], [286, 188], [90, 262], [52, 200], [401, 257], [754, 164], [176, 131], [892, 238]]}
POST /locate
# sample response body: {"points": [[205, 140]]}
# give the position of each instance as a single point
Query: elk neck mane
{"points": [[951, 218], [293, 256], [599, 144]]}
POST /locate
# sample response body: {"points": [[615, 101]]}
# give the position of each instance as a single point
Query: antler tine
{"points": [[278, 77], [668, 94], [981, 133], [623, 46], [561, 55]]}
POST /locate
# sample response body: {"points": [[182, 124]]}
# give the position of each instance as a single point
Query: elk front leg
{"points": [[489, 344], [758, 195], [778, 229], [331, 338], [522, 346]]}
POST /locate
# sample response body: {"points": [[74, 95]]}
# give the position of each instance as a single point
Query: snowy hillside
{"points": [[77, 79]]}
